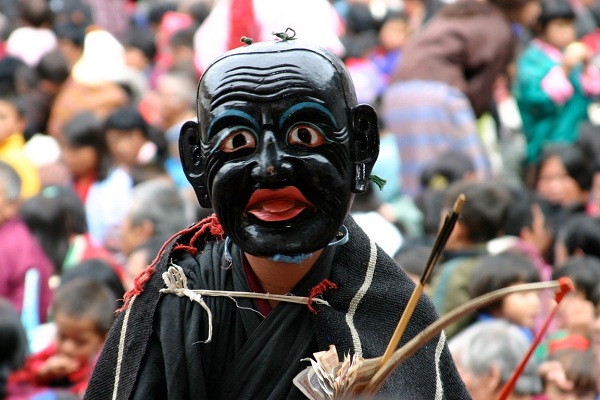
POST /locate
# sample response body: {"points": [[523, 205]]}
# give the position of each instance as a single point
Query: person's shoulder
{"points": [[204, 264]]}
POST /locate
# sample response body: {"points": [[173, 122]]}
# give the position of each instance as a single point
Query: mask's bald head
{"points": [[281, 146], [270, 73]]}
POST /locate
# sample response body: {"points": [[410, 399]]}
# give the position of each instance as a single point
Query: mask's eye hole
{"points": [[306, 135], [237, 140]]}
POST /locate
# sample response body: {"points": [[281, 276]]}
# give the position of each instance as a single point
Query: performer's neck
{"points": [[279, 277]]}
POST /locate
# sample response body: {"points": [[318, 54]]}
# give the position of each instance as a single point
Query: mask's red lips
{"points": [[272, 205]]}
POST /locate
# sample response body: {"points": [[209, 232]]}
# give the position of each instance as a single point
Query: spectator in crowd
{"points": [[500, 271], [12, 143], [157, 211], [84, 152], [33, 38], [486, 355], [526, 230], [97, 270], [554, 81], [572, 375], [131, 151], [563, 179], [92, 86], [577, 237], [482, 218], [50, 73], [575, 315], [56, 217], [24, 267], [83, 313], [444, 82]]}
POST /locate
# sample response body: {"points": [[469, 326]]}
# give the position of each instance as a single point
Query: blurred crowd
{"points": [[498, 100]]}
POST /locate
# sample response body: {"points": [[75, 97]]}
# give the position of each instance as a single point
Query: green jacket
{"points": [[545, 122]]}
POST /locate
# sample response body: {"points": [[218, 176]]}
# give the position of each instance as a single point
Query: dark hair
{"points": [[72, 32], [584, 271], [85, 130], [581, 232], [579, 367], [13, 342], [158, 11], [199, 10], [85, 298], [448, 167], [53, 67], [359, 19], [126, 119], [96, 270], [501, 270], [142, 39], [520, 212], [15, 100], [413, 259], [11, 68], [36, 12], [53, 216], [183, 37], [485, 209], [576, 161], [555, 9]]}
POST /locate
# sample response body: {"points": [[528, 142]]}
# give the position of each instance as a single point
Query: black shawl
{"points": [[155, 348]]}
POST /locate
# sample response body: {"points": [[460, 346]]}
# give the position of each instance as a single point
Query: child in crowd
{"points": [[575, 315], [578, 236], [435, 177], [12, 143], [128, 139], [24, 267], [482, 218], [97, 270], [56, 216], [84, 152], [554, 81], [501, 271], [572, 377], [132, 154], [83, 313], [526, 230], [564, 177]]}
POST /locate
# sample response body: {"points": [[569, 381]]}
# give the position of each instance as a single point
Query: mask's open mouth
{"points": [[273, 205]]}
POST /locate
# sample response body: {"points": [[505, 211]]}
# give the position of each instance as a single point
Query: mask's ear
{"points": [[365, 146], [192, 162]]}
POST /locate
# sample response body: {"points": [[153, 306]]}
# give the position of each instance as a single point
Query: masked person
{"points": [[279, 151]]}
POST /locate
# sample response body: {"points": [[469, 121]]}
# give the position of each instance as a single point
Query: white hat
{"points": [[103, 60]]}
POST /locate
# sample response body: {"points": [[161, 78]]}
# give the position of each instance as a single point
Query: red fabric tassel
{"points": [[319, 290]]}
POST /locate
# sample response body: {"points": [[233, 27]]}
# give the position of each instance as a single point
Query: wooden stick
{"points": [[436, 252], [565, 287], [408, 349]]}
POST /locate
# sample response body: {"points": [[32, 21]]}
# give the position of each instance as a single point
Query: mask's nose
{"points": [[271, 166]]}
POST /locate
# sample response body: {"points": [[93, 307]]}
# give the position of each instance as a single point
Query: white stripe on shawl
{"points": [[358, 297], [439, 388], [121, 348]]}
